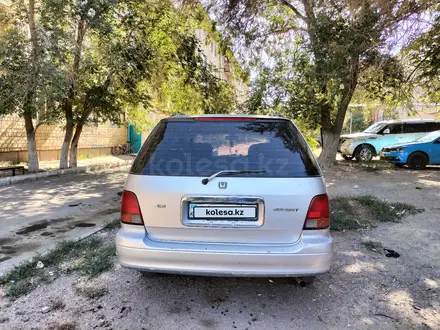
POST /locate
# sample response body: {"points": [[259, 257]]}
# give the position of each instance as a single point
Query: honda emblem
{"points": [[222, 185]]}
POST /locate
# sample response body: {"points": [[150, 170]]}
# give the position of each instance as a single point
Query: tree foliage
{"points": [[30, 83], [312, 54], [424, 53], [98, 61], [18, 75]]}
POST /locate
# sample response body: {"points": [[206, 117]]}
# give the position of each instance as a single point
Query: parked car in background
{"points": [[417, 155], [226, 195], [367, 144]]}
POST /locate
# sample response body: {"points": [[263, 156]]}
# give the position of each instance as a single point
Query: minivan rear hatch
{"points": [[263, 199]]}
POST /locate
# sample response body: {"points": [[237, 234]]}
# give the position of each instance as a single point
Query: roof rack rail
{"points": [[178, 114]]}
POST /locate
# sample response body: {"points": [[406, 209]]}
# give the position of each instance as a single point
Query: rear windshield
{"points": [[202, 148]]}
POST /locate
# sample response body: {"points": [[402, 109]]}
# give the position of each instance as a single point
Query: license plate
{"points": [[223, 211]]}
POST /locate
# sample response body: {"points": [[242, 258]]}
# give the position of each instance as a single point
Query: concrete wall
{"points": [[95, 140]]}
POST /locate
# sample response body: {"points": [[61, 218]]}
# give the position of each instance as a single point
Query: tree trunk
{"points": [[67, 138], [79, 127], [33, 164], [331, 136], [65, 147], [87, 111], [73, 161], [330, 143], [81, 31]]}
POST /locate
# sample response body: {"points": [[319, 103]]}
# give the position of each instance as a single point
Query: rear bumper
{"points": [[310, 255]]}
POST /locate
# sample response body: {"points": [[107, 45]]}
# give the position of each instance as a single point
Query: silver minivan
{"points": [[226, 195]]}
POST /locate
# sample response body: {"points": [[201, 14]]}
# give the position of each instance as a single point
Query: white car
{"points": [[367, 144], [226, 195]]}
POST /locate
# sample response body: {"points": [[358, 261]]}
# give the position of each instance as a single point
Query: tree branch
{"points": [[349, 90], [416, 68], [37, 126], [33, 31], [87, 109], [308, 7], [296, 11], [82, 28], [286, 29]]}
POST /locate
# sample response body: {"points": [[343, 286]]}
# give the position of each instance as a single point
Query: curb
{"points": [[19, 259], [43, 175]]}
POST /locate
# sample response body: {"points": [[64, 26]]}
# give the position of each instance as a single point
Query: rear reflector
{"points": [[318, 216], [130, 210], [225, 118]]}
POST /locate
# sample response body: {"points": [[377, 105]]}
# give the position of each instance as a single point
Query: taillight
{"points": [[130, 210], [318, 216]]}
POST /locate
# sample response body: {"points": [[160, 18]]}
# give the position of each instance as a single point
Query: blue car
{"points": [[416, 155]]}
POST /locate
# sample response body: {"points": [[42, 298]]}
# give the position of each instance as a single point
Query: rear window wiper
{"points": [[206, 180]]}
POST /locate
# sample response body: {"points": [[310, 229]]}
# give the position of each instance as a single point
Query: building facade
{"points": [[223, 66]]}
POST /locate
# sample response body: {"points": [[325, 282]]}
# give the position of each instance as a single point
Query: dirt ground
{"points": [[363, 290]]}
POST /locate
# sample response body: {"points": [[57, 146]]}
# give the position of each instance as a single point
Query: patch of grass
{"points": [[90, 291], [17, 289], [374, 246], [89, 257], [113, 224], [95, 262], [357, 212], [24, 270]]}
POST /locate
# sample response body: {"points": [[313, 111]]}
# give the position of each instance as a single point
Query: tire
{"points": [[399, 165], [364, 153], [417, 161], [347, 157]]}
